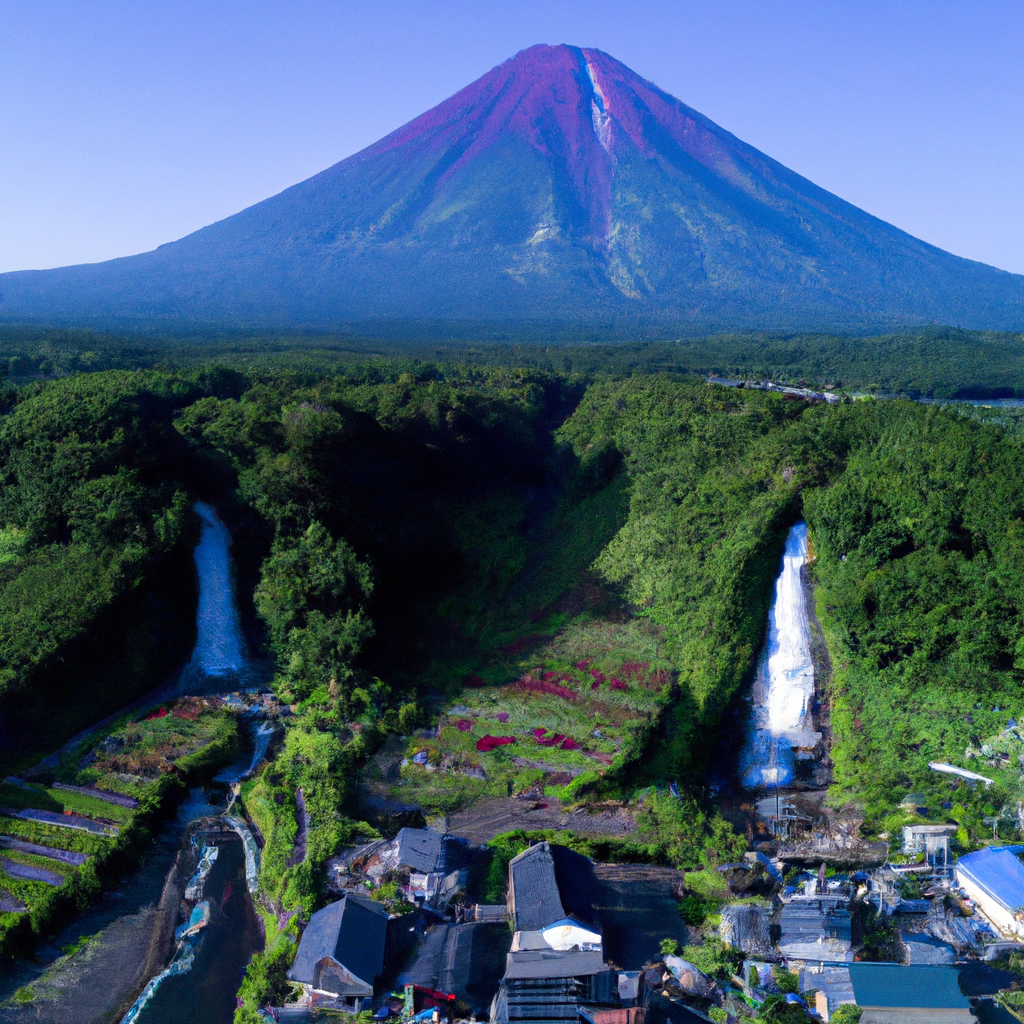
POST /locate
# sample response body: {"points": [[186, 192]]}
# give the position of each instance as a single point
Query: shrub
{"points": [[787, 980], [846, 1014]]}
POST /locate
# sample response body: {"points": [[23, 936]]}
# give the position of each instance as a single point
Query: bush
{"points": [[714, 958], [787, 981], [694, 909], [846, 1014]]}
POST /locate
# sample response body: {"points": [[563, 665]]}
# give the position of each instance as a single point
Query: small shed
{"points": [[994, 879], [931, 840], [341, 952]]}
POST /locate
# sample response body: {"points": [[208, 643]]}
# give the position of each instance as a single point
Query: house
{"points": [[832, 988], [544, 985], [341, 953], [994, 879], [556, 962], [430, 860], [816, 928], [894, 994]]}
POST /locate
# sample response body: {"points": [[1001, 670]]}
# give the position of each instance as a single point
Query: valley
{"points": [[510, 604]]}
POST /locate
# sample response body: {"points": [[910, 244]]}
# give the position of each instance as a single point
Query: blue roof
{"points": [[893, 985], [998, 872]]}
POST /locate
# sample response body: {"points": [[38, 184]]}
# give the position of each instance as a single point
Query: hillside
{"points": [[559, 187]]}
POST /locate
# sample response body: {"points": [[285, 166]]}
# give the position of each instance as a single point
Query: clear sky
{"points": [[127, 124]]}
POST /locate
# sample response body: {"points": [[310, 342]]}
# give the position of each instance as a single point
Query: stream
{"points": [[222, 930], [179, 929]]}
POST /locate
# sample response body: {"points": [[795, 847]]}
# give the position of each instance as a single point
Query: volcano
{"points": [[560, 187]]}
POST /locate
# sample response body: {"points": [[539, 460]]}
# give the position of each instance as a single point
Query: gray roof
{"points": [[352, 932], [808, 920], [420, 849], [534, 889], [535, 963], [922, 987]]}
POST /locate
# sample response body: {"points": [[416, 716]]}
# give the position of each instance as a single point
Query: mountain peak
{"points": [[562, 186]]}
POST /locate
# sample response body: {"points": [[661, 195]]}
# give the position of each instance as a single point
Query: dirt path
{"points": [[489, 818], [299, 849]]}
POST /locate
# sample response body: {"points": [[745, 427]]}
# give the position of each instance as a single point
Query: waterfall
{"points": [[782, 727], [219, 647]]}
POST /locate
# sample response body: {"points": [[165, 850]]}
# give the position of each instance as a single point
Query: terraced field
{"points": [[59, 825]]}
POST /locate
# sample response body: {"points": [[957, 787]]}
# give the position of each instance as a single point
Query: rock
{"points": [[690, 978], [745, 927], [749, 879]]}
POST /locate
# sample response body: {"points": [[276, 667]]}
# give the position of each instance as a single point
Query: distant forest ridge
{"points": [[936, 361]]}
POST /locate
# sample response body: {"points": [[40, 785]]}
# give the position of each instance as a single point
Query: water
{"points": [[205, 992], [222, 932], [219, 648], [781, 728]]}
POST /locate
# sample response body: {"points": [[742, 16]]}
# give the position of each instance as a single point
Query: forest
{"points": [[935, 361], [563, 546]]}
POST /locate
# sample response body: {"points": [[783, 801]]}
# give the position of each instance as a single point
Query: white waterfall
{"points": [[782, 725], [219, 647]]}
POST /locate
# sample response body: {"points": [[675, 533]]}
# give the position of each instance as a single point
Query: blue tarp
{"points": [[998, 872]]}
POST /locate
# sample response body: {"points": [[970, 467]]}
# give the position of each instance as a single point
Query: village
{"points": [[578, 941]]}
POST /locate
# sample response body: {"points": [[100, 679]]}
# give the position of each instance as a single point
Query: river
{"points": [[131, 927], [213, 946]]}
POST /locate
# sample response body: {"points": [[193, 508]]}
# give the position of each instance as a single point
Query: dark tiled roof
{"points": [[421, 849], [920, 987], [352, 931], [534, 889]]}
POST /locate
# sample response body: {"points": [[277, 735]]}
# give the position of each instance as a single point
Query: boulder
{"points": [[690, 978]]}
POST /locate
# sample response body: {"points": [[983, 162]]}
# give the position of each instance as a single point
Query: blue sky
{"points": [[127, 124]]}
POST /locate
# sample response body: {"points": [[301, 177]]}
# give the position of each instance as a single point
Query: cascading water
{"points": [[782, 726], [215, 943], [219, 648]]}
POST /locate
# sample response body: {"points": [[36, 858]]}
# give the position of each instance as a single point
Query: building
{"points": [[816, 928], [556, 963], [893, 994], [994, 879], [549, 986], [931, 840], [889, 993], [832, 988], [341, 953]]}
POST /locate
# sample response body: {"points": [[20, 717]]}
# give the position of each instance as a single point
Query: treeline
{"points": [[921, 592], [935, 361]]}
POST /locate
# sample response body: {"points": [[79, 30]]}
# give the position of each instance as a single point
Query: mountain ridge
{"points": [[559, 186]]}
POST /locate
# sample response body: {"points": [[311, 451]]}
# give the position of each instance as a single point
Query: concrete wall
{"points": [[893, 1015]]}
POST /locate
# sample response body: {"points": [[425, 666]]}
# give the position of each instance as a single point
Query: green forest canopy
{"points": [[390, 515]]}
